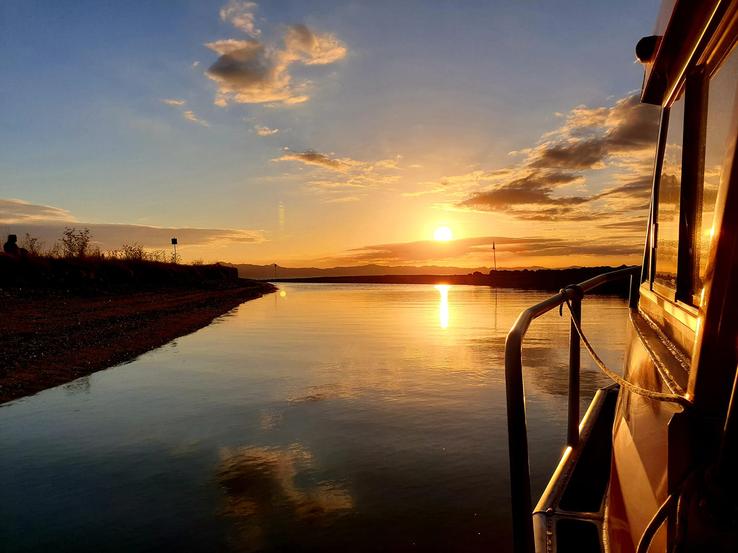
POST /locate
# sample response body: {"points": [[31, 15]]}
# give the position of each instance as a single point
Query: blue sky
{"points": [[407, 94]]}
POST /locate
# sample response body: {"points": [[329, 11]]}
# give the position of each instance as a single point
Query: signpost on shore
{"points": [[174, 245]]}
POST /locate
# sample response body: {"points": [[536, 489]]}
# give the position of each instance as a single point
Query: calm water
{"points": [[325, 417]]}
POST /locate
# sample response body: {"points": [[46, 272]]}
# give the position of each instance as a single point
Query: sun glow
{"points": [[443, 234], [443, 305]]}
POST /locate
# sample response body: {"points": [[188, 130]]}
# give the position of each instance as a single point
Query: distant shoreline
{"points": [[538, 279]]}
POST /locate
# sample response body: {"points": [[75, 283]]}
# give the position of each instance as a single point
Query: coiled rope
{"points": [[658, 396]]}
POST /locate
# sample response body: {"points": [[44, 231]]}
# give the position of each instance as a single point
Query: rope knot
{"points": [[575, 290]]}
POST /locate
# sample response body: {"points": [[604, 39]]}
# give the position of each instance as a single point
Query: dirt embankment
{"points": [[48, 338]]}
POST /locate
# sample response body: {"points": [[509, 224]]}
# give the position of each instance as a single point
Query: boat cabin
{"points": [[653, 464]]}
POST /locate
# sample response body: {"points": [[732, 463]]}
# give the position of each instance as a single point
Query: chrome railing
{"points": [[516, 421]]}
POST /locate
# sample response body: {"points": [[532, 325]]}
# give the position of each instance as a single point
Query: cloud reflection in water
{"points": [[264, 484]]}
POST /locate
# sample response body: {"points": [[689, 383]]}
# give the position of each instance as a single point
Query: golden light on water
{"points": [[443, 234], [282, 294], [443, 305]]}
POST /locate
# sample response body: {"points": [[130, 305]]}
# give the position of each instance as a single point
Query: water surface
{"points": [[321, 418]]}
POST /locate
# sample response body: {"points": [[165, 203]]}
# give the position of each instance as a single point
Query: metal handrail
{"points": [[516, 419]]}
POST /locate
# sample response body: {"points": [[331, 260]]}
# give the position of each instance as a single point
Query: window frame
{"points": [[694, 87]]}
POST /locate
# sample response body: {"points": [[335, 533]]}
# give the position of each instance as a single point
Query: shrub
{"points": [[75, 243], [32, 245], [134, 252], [157, 255]]}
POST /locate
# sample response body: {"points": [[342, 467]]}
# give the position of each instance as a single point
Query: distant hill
{"points": [[266, 272], [525, 279]]}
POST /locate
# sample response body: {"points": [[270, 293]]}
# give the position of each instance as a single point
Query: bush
{"points": [[133, 251], [32, 245], [75, 243]]}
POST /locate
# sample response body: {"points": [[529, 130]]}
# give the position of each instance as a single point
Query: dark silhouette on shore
{"points": [[11, 247]]}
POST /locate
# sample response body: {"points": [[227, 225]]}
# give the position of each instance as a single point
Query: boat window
{"points": [[721, 101], [667, 234]]}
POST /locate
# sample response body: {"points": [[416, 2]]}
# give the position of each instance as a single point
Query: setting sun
{"points": [[443, 234]]}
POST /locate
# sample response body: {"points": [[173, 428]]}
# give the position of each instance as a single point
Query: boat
{"points": [[653, 463]]}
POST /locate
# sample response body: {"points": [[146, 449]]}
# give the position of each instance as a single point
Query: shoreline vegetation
{"points": [[67, 317], [521, 279]]}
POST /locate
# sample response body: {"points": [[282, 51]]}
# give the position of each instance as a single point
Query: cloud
{"points": [[631, 191], [247, 73], [631, 225], [241, 16], [338, 175], [14, 212], [343, 199], [190, 116], [250, 71], [621, 138], [590, 136], [523, 194], [265, 131], [305, 46], [113, 236], [478, 247], [47, 223], [311, 157]]}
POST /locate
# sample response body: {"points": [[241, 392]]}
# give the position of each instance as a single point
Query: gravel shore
{"points": [[51, 339]]}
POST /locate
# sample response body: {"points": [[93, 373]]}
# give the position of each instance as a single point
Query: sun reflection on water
{"points": [[443, 305]]}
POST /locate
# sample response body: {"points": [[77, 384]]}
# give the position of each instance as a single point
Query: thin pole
{"points": [[494, 252], [517, 436], [574, 365]]}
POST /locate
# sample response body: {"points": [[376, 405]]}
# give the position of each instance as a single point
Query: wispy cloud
{"points": [[250, 71], [192, 117], [311, 157], [264, 131], [188, 114], [242, 16], [334, 176], [48, 222], [479, 247], [13, 211]]}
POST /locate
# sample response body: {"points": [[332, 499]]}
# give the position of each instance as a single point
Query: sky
{"points": [[329, 133]]}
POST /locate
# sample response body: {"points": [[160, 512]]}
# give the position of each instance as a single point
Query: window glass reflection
{"points": [[668, 206], [720, 105]]}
